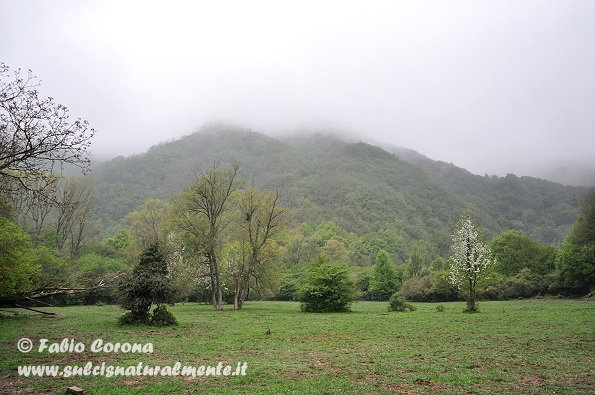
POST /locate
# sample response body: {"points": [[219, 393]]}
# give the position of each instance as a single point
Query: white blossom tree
{"points": [[470, 258]]}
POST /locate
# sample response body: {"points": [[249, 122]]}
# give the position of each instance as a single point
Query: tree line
{"points": [[224, 240]]}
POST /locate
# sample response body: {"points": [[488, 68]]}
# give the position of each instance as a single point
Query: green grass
{"points": [[542, 346]]}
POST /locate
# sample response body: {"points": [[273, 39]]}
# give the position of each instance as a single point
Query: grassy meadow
{"points": [[537, 346]]}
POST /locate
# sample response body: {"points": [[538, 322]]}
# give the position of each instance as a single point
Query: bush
{"points": [[162, 317], [397, 303], [288, 288], [130, 319], [363, 286], [417, 288], [433, 287], [148, 284], [327, 288]]}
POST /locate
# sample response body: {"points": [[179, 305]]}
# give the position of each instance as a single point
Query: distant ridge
{"points": [[361, 187]]}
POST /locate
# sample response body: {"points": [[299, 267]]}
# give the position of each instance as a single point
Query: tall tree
{"points": [[76, 198], [147, 223], [17, 262], [414, 264], [33, 213], [384, 281], [259, 218], [470, 258], [576, 258], [36, 135], [200, 211]]}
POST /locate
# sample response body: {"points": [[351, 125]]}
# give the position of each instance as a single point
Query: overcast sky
{"points": [[492, 86]]}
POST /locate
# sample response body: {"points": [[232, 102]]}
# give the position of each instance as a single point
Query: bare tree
{"points": [[75, 211], [33, 212], [36, 136]]}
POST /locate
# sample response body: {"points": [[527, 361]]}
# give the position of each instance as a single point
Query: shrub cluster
{"points": [[397, 302]]}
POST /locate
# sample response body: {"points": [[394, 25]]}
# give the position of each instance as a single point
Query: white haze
{"points": [[492, 86]]}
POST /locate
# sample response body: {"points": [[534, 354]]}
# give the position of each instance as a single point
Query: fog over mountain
{"points": [[495, 87]]}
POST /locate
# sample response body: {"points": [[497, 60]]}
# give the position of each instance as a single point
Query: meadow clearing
{"points": [[532, 346]]}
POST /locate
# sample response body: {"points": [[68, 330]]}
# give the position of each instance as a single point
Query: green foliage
{"points": [[327, 288], [6, 209], [576, 266], [357, 194], [576, 258], [383, 282], [442, 289], [397, 302], [55, 271], [514, 251], [289, 287], [414, 264], [162, 317], [148, 284], [363, 286], [18, 268], [433, 287], [525, 284], [417, 288], [91, 269], [119, 241]]}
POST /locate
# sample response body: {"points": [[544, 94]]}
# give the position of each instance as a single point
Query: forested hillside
{"points": [[397, 200]]}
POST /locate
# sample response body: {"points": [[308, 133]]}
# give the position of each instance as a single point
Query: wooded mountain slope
{"points": [[362, 188]]}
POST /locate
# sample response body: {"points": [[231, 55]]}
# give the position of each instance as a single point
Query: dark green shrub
{"points": [[327, 288], [363, 286], [130, 319], [148, 284], [162, 317], [397, 302], [288, 288]]}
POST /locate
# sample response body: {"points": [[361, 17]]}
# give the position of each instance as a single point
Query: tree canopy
{"points": [[37, 137], [576, 259], [17, 262], [470, 258]]}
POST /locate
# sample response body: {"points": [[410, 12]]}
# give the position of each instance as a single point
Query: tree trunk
{"points": [[236, 296], [213, 283], [245, 288], [219, 294], [471, 300]]}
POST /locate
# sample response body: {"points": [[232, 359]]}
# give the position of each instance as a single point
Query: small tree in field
{"points": [[148, 284], [384, 281], [470, 259], [327, 288]]}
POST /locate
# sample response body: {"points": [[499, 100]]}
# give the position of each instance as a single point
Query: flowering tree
{"points": [[470, 259]]}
